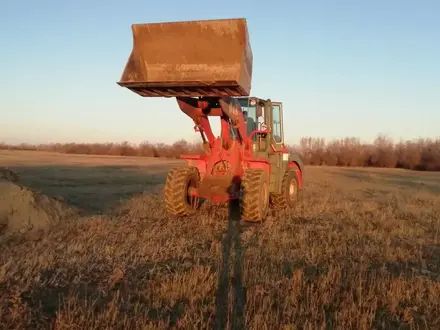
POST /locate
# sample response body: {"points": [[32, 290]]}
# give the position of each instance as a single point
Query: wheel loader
{"points": [[206, 66]]}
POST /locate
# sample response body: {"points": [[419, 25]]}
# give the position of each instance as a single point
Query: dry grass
{"points": [[361, 251]]}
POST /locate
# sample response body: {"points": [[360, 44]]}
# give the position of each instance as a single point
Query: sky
{"points": [[341, 68]]}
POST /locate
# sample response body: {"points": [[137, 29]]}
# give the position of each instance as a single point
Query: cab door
{"points": [[277, 125], [277, 157]]}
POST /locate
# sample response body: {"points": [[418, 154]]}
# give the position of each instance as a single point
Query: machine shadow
{"points": [[93, 189], [231, 244]]}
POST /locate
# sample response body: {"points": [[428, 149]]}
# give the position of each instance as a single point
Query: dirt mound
{"points": [[22, 209]]}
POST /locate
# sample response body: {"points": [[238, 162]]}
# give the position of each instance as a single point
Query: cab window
{"points": [[277, 134], [250, 116]]}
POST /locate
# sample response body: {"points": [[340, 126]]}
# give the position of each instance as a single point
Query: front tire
{"points": [[178, 200], [254, 203]]}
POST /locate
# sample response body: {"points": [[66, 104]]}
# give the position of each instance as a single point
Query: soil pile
{"points": [[23, 210]]}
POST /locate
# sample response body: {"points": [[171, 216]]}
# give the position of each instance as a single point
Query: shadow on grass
{"points": [[231, 242], [93, 189]]}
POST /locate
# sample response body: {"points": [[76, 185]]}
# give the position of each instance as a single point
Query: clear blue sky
{"points": [[342, 68]]}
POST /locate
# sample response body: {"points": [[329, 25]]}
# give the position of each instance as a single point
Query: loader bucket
{"points": [[190, 58]]}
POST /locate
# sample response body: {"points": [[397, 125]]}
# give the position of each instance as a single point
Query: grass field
{"points": [[361, 251]]}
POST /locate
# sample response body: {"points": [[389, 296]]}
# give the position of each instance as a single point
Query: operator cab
{"points": [[256, 119]]}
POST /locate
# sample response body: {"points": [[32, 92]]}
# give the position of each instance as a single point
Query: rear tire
{"points": [[289, 191], [178, 201], [254, 202]]}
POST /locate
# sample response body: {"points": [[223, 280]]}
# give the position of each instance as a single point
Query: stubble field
{"points": [[361, 251]]}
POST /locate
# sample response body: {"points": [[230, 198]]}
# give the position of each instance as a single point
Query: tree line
{"points": [[419, 154]]}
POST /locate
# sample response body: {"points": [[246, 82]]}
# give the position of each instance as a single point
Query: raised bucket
{"points": [[190, 58]]}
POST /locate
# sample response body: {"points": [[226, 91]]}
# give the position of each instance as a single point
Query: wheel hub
{"points": [[292, 190], [191, 198]]}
